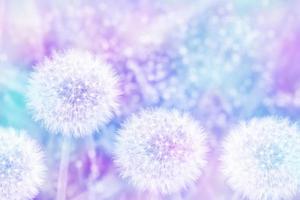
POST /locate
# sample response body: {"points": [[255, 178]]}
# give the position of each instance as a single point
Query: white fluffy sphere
{"points": [[261, 159], [73, 93], [21, 166], [161, 151]]}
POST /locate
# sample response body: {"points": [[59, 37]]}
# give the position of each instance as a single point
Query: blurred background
{"points": [[221, 61]]}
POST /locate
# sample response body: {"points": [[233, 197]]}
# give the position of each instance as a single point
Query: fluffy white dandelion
{"points": [[261, 159], [73, 93], [21, 166], [161, 151]]}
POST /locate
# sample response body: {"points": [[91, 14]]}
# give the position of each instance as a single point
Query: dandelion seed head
{"points": [[73, 93], [261, 159], [21, 166], [161, 151]]}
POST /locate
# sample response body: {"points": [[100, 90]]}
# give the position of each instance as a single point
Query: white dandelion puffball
{"points": [[161, 151], [22, 168], [261, 159], [73, 93]]}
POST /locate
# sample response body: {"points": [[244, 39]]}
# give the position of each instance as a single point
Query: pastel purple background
{"points": [[221, 61]]}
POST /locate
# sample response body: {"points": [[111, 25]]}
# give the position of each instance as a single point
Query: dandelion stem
{"points": [[63, 170], [93, 167], [92, 153]]}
